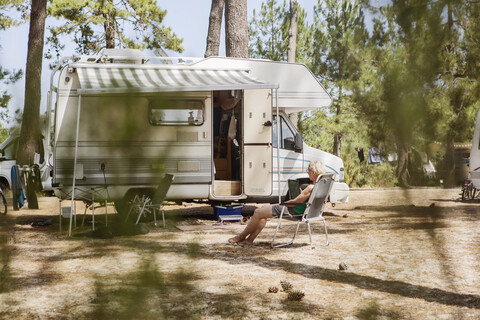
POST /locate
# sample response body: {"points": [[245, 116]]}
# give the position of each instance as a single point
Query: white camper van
{"points": [[8, 153], [474, 171], [219, 125]]}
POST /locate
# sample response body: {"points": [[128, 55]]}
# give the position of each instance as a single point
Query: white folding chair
{"points": [[313, 212], [144, 205]]}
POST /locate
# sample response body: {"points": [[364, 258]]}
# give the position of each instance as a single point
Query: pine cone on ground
{"points": [[296, 295], [286, 286], [272, 290]]}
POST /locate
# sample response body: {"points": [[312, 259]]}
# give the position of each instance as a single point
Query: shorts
{"points": [[277, 209]]}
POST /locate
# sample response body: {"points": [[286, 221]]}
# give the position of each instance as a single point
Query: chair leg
{"points": [[278, 227], [129, 211], [326, 232], [155, 216], [289, 242], [163, 217], [132, 205], [141, 212], [310, 235]]}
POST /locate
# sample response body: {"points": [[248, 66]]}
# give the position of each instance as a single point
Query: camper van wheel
{"points": [[3, 204], [468, 191], [131, 198]]}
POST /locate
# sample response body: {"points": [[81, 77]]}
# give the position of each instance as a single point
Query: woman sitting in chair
{"points": [[259, 219]]}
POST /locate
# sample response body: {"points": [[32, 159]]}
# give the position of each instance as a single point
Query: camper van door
{"points": [[257, 143]]}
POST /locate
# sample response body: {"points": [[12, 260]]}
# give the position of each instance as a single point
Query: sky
{"points": [[187, 18]]}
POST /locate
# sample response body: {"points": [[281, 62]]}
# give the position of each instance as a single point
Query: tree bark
{"points": [[292, 47], [236, 28], [337, 144], [402, 164], [30, 131], [337, 138], [292, 32], [214, 28], [109, 26]]}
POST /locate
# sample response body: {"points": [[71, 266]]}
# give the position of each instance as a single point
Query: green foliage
{"points": [[316, 129], [7, 7], [369, 175], [131, 24], [268, 33], [339, 34], [7, 76], [417, 83], [410, 80], [3, 134]]}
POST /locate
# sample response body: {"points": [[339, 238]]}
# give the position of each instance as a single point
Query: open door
{"points": [[257, 142]]}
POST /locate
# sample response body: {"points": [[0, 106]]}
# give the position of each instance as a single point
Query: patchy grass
{"points": [[410, 255]]}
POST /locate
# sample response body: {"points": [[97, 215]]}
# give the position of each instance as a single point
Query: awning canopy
{"points": [[106, 79]]}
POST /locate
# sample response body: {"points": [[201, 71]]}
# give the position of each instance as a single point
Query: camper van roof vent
{"points": [[129, 56]]}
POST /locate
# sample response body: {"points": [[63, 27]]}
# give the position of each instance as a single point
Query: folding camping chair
{"points": [[144, 204], [313, 212]]}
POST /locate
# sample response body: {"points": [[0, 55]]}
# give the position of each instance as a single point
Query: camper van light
{"points": [[71, 70]]}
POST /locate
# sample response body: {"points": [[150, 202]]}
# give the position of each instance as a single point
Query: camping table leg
{"points": [[93, 209], [75, 213], [106, 214], [60, 216]]}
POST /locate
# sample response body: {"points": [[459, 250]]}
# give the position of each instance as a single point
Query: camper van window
{"points": [[10, 151], [287, 137], [176, 112]]}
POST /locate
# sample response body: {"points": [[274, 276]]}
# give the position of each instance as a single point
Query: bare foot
{"points": [[245, 243], [234, 240]]}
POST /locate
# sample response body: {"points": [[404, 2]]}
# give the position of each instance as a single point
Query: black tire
{"points": [[123, 206], [3, 204], [468, 191]]}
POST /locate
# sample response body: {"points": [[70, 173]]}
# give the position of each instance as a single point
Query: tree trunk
{"points": [[109, 26], [449, 162], [30, 131], [402, 164], [292, 32], [337, 144], [236, 28], [214, 28], [337, 138], [292, 47]]}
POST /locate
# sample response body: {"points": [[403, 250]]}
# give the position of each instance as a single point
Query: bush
{"points": [[369, 175]]}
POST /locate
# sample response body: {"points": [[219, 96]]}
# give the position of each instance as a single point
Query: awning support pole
{"points": [[75, 163], [278, 147]]}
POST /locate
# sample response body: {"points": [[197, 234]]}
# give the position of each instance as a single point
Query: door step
{"points": [[227, 188]]}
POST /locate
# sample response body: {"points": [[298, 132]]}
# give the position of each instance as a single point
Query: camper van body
{"points": [[8, 152], [475, 155], [121, 124]]}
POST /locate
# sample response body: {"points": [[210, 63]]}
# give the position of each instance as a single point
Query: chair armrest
{"points": [[292, 203]]}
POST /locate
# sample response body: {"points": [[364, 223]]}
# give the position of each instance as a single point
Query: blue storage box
{"points": [[229, 210]]}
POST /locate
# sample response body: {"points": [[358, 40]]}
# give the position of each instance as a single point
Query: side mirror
{"points": [[2, 157], [298, 142]]}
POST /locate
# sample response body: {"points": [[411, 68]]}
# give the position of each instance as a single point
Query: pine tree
{"points": [[236, 28], [30, 131], [214, 28], [99, 24], [339, 34], [269, 33], [399, 70]]}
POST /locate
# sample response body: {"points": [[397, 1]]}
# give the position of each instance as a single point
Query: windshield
{"points": [[9, 148]]}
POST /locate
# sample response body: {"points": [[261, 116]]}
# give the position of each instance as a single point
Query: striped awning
{"points": [[106, 79]]}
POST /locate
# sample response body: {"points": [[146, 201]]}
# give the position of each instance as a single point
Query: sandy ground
{"points": [[409, 255]]}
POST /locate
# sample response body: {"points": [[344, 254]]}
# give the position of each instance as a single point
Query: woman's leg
{"points": [[255, 225]]}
